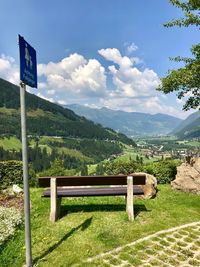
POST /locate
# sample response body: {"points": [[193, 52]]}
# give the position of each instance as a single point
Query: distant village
{"points": [[180, 151]]}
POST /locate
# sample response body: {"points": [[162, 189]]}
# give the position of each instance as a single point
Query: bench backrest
{"points": [[138, 179]]}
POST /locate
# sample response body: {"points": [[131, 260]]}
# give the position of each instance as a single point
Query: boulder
{"points": [[150, 186], [188, 176], [16, 189]]}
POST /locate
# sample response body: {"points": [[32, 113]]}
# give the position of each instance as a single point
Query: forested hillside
{"points": [[189, 128], [59, 140], [46, 118]]}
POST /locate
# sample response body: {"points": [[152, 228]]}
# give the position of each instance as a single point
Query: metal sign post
{"points": [[25, 177], [28, 75]]}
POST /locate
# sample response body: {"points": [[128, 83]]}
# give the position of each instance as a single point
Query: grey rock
{"points": [[150, 186], [188, 177], [16, 189]]}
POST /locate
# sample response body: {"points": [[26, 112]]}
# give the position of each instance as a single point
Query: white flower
{"points": [[10, 218]]}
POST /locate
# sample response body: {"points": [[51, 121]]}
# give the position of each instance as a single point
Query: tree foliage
{"points": [[185, 80], [191, 14]]}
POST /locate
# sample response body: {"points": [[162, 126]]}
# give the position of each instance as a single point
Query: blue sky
{"points": [[97, 52]]}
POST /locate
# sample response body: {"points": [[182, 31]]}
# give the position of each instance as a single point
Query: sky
{"points": [[98, 53]]}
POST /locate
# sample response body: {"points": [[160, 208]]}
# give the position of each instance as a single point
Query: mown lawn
{"points": [[90, 226]]}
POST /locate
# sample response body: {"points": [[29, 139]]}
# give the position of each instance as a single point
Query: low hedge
{"points": [[11, 172]]}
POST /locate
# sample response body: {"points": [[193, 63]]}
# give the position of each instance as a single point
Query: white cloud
{"points": [[150, 105], [75, 79], [179, 101], [129, 80], [113, 54], [51, 92], [46, 98], [62, 102], [91, 105], [90, 77], [136, 60], [8, 69], [130, 47], [65, 66], [74, 75], [41, 85]]}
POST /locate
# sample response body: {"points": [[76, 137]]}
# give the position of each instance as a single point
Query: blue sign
{"points": [[28, 63]]}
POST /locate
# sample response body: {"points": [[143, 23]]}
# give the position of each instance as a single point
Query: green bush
{"points": [[121, 167], [164, 170], [11, 172]]}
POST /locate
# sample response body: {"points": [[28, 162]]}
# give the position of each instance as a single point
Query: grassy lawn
{"points": [[10, 143], [90, 226]]}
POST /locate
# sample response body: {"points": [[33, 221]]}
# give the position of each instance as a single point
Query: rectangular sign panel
{"points": [[28, 63]]}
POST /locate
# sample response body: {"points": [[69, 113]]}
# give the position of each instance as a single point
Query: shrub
{"points": [[164, 170], [10, 218], [122, 167], [11, 172]]}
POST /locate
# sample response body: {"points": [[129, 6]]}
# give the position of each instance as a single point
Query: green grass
{"points": [[10, 143], [90, 226], [194, 143], [131, 153], [74, 153], [8, 111], [32, 144]]}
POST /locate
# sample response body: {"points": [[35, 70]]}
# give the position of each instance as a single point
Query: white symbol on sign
{"points": [[29, 62]]}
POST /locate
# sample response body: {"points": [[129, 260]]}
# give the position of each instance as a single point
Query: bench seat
{"points": [[93, 191], [98, 185]]}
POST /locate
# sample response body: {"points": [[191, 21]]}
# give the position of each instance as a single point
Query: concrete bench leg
{"points": [[55, 201], [129, 198]]}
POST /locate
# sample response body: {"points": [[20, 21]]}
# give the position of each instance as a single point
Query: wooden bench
{"points": [[72, 186]]}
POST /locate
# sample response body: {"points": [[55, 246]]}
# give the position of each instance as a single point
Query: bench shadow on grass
{"points": [[83, 226], [66, 209]]}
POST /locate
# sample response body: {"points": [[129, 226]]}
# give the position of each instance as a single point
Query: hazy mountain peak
{"points": [[129, 123]]}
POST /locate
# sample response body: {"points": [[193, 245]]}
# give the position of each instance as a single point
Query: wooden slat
{"points": [[105, 191], [138, 179]]}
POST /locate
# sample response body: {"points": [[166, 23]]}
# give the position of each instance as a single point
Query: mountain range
{"points": [[189, 128], [46, 118], [132, 124]]}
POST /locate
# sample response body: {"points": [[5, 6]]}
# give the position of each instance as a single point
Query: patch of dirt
{"points": [[9, 201]]}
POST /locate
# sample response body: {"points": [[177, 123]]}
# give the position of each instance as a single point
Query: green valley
{"points": [[63, 142], [56, 135]]}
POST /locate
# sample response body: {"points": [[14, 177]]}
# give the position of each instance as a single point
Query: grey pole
{"points": [[25, 177]]}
